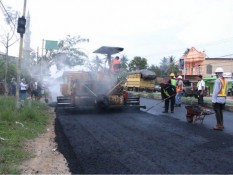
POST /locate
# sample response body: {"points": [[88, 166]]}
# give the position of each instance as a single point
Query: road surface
{"points": [[143, 143]]}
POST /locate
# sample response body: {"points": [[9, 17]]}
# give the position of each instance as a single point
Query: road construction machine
{"points": [[101, 90]]}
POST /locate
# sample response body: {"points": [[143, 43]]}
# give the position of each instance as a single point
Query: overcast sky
{"points": [[152, 29]]}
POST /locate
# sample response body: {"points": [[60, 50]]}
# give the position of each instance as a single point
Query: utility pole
{"points": [[21, 31]]}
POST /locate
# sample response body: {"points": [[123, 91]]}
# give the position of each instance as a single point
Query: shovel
{"points": [[159, 102]]}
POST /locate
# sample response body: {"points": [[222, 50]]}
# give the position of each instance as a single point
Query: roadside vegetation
{"points": [[16, 127]]}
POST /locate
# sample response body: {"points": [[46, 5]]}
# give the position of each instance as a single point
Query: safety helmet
{"points": [[219, 69], [180, 76], [172, 75]]}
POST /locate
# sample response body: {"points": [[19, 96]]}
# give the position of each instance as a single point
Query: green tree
{"points": [[155, 69], [163, 66], [124, 63], [173, 67], [68, 53], [138, 63], [168, 65], [95, 65], [7, 39], [186, 51], [124, 68], [11, 70]]}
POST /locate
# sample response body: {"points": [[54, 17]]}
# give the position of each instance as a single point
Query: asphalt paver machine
{"points": [[87, 90]]}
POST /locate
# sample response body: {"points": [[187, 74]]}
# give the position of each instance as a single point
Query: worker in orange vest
{"points": [[116, 65], [179, 91], [219, 97]]}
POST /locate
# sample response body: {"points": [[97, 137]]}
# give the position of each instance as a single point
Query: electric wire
{"points": [[6, 12], [11, 23]]}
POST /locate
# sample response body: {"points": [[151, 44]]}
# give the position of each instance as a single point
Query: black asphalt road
{"points": [[141, 143]]}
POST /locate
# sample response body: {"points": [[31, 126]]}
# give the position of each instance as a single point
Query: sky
{"points": [[151, 29]]}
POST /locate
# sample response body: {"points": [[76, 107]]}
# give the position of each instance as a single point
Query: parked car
{"points": [[157, 88], [190, 89]]}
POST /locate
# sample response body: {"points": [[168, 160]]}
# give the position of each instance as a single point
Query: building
{"points": [[198, 63]]}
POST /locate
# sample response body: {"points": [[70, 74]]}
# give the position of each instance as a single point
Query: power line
{"points": [[225, 55], [11, 21], [199, 45]]}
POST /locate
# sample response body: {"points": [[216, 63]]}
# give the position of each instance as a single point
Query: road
{"points": [[180, 112], [143, 143]]}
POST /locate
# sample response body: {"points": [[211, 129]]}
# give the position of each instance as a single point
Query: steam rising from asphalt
{"points": [[53, 81]]}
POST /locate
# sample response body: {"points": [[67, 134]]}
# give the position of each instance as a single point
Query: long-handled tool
{"points": [[159, 102], [111, 90]]}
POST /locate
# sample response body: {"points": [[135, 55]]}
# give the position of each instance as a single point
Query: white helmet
{"points": [[180, 76], [219, 70]]}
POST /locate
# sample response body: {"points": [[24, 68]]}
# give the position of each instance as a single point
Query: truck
{"points": [[141, 80]]}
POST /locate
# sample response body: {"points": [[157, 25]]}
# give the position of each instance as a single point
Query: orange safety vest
{"points": [[222, 92], [114, 62], [178, 88]]}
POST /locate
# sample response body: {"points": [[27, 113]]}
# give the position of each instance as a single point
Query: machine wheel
{"points": [[189, 118]]}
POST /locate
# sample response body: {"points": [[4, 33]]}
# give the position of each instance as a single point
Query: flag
{"points": [[51, 45]]}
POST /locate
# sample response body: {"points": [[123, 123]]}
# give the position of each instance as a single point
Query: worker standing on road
{"points": [[200, 90], [172, 80], [168, 92], [179, 91], [219, 97]]}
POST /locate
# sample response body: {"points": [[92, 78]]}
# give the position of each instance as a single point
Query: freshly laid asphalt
{"points": [[180, 113], [138, 142]]}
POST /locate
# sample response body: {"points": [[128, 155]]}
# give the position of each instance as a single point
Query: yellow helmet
{"points": [[172, 75]]}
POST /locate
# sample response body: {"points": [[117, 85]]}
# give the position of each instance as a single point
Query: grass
{"points": [[17, 126]]}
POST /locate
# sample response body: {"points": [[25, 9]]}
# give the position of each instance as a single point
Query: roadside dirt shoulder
{"points": [[46, 159]]}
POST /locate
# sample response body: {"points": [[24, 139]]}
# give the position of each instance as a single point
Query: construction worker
{"points": [[168, 93], [219, 97], [200, 90], [179, 91], [116, 65], [172, 80]]}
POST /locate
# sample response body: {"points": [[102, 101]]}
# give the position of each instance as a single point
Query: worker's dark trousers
{"points": [[172, 103], [218, 107], [200, 99]]}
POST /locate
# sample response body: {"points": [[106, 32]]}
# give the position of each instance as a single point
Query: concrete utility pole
{"points": [[19, 60]]}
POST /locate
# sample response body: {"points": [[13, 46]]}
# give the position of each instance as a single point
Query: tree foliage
{"points": [[186, 51], [11, 70], [164, 65], [168, 65], [138, 63], [68, 53], [95, 65], [124, 63], [155, 69], [11, 18]]}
